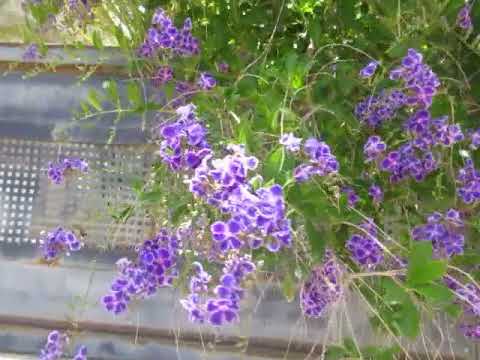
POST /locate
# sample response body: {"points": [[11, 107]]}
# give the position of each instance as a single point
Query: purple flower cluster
{"points": [[223, 308], [474, 138], [31, 53], [408, 162], [464, 19], [369, 70], [183, 93], [374, 148], [57, 171], [377, 109], [163, 75], [164, 35], [428, 132], [352, 197], [471, 331], [154, 268], [53, 349], [469, 294], [75, 4], [223, 67], [206, 81], [321, 161], [445, 231], [468, 179], [418, 78], [184, 143], [364, 247], [57, 242], [256, 218], [215, 179], [376, 193], [81, 353], [323, 288], [415, 159], [290, 142]]}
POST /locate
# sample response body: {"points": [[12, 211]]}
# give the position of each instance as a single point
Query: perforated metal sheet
{"points": [[30, 203]]}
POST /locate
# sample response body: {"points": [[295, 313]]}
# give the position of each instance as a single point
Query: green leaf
{"points": [[408, 320], [97, 40], [122, 215], [274, 163], [111, 89], [137, 186], [454, 310], [151, 196], [398, 310], [134, 94], [422, 269], [85, 108], [93, 100], [316, 240], [394, 293], [435, 293], [288, 287], [335, 352]]}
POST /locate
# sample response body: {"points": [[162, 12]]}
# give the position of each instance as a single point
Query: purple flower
{"points": [[81, 353], [163, 75], [54, 348], [161, 20], [155, 267], [352, 197], [369, 69], [163, 35], [57, 242], [183, 93], [206, 81], [374, 148], [475, 139], [184, 141], [223, 67], [77, 3], [376, 193], [407, 162], [223, 308], [471, 331], [375, 110], [468, 179], [428, 132], [323, 288], [418, 78], [254, 217], [464, 19], [31, 53], [321, 161], [444, 231], [57, 172], [469, 296], [364, 247], [290, 142]]}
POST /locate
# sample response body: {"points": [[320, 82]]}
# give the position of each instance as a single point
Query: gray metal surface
{"points": [[41, 108], [30, 203]]}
